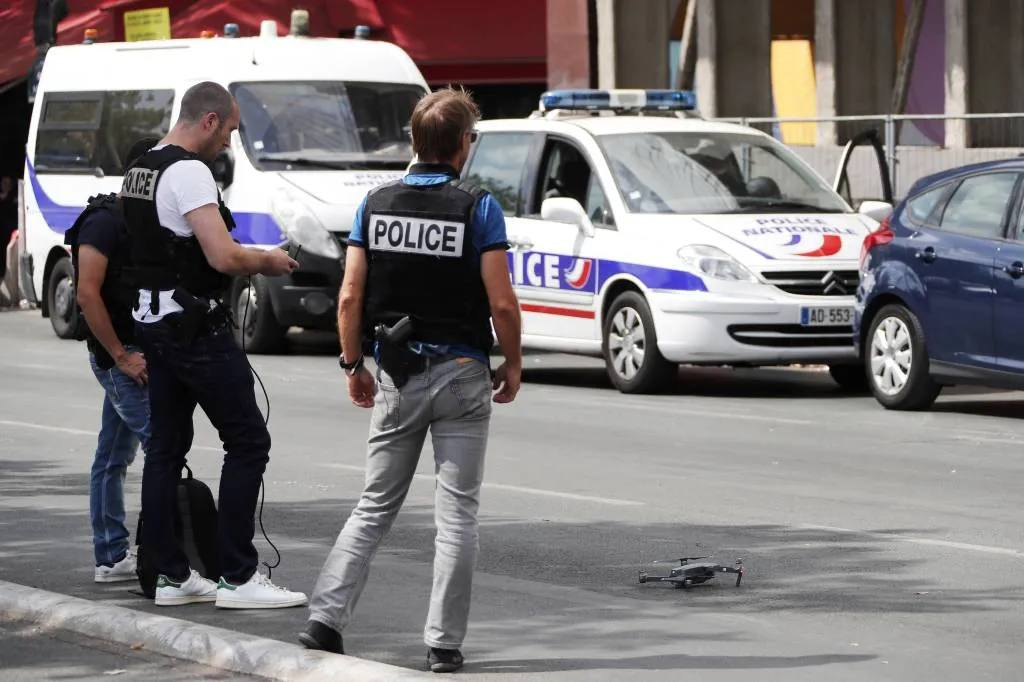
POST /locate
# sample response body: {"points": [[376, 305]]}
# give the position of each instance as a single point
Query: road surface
{"points": [[878, 545]]}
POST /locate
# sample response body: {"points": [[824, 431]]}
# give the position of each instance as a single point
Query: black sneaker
{"points": [[322, 638], [444, 660]]}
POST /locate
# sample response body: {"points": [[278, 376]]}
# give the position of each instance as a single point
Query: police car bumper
{"points": [[709, 328]]}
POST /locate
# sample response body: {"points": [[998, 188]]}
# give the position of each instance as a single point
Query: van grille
{"points": [[814, 282]]}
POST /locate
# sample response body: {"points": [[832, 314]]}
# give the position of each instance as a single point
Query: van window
{"points": [[82, 132], [497, 166], [327, 124]]}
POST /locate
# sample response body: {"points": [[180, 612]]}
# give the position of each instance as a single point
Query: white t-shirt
{"points": [[182, 187]]}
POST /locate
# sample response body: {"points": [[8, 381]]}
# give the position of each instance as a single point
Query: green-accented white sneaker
{"points": [[195, 589], [257, 593]]}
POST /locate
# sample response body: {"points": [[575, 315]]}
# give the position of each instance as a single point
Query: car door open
{"points": [[875, 208]]}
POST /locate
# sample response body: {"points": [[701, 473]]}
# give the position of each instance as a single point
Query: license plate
{"points": [[826, 316]]}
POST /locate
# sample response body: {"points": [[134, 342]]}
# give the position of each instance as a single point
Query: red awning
{"points": [[450, 40], [474, 42]]}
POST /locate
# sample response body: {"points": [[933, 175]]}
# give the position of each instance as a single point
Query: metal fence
{"points": [[915, 145]]}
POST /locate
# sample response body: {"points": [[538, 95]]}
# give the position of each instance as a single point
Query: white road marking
{"points": [[521, 489], [948, 544], [80, 432]]}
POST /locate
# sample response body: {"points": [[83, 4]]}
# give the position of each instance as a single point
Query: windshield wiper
{"points": [[307, 161], [784, 205], [337, 164]]}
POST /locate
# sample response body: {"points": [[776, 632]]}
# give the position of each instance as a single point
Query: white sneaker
{"points": [[195, 589], [121, 571], [258, 593]]}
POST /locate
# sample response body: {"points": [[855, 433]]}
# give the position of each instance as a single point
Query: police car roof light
{"points": [[674, 100], [268, 28], [231, 31]]}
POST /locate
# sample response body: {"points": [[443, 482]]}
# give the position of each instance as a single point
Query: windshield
{"points": [[312, 125], [707, 172]]}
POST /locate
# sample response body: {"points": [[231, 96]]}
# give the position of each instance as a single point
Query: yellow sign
{"points": [[147, 24]]}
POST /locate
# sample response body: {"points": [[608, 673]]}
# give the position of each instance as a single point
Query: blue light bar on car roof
{"points": [[678, 100]]}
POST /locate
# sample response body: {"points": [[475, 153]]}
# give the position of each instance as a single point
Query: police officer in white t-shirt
{"points": [[184, 257]]}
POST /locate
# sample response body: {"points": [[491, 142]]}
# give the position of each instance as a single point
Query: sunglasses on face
{"points": [[472, 135]]}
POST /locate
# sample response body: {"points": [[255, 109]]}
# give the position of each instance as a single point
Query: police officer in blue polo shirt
{"points": [[425, 274]]}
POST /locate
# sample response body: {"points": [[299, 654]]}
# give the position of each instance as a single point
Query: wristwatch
{"points": [[350, 367]]}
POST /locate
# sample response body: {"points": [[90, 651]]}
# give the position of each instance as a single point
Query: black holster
{"points": [[395, 356], [197, 317]]}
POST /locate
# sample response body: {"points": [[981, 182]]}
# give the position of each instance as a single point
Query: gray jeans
{"points": [[452, 399]]}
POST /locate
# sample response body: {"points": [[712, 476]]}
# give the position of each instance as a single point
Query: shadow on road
{"points": [[712, 382], [554, 587]]}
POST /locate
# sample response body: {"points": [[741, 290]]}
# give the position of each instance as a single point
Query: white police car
{"points": [[649, 236]]}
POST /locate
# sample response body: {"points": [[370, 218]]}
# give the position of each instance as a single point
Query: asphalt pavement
{"points": [[877, 545], [29, 653]]}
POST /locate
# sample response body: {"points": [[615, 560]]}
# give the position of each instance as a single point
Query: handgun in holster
{"points": [[194, 318], [395, 356]]}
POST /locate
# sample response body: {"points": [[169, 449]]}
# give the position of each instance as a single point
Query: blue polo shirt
{"points": [[488, 231]]}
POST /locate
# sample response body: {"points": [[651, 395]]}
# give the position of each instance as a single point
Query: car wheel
{"points": [[258, 330], [630, 346], [65, 317], [850, 378], [896, 359]]}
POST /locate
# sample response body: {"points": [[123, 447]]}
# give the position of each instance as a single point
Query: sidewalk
{"points": [[203, 644]]}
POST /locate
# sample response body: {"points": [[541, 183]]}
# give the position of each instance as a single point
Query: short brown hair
{"points": [[439, 121]]}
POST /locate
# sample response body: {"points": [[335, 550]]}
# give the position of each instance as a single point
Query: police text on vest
{"points": [[139, 183], [416, 235]]}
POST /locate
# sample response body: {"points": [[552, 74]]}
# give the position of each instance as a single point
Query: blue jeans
{"points": [[124, 427], [212, 372]]}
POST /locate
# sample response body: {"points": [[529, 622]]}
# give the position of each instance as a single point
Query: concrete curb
{"points": [[204, 644]]}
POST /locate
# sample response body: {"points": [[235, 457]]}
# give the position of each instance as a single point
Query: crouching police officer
{"points": [[183, 255], [104, 292], [425, 272]]}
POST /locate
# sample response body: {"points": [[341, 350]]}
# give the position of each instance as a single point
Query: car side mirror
{"points": [[876, 210], [223, 168], [566, 210]]}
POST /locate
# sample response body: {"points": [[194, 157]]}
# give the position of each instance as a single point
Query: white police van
{"points": [[649, 236], [323, 120]]}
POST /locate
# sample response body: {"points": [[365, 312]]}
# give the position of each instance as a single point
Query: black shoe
{"points": [[319, 636], [444, 660]]}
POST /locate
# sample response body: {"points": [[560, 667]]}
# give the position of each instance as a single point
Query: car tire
{"points": [[257, 330], [65, 317], [905, 344], [629, 321], [850, 378]]}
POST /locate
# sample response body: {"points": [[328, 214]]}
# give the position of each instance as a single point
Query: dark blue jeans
{"points": [[124, 426], [213, 373]]}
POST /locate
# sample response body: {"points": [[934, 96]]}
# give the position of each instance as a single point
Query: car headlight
{"points": [[302, 226], [713, 262]]}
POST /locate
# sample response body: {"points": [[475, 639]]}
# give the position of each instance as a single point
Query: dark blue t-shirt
{"points": [[488, 230], [100, 231]]}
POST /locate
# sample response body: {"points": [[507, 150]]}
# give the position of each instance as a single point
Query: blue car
{"points": [[941, 294]]}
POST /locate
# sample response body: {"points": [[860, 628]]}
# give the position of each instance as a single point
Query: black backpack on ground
{"points": [[195, 525]]}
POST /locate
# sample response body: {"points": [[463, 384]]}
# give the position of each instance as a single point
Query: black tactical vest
{"points": [[162, 259], [118, 291], [419, 245]]}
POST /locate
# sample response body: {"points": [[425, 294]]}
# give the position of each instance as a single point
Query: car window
{"points": [[86, 132], [497, 166], [713, 172], [979, 204], [921, 206], [565, 173], [597, 206]]}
